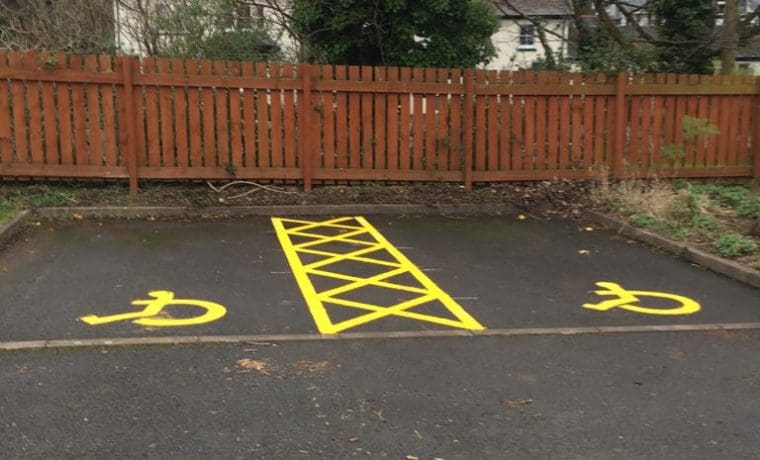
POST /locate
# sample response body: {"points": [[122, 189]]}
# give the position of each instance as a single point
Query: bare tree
{"points": [[77, 26]]}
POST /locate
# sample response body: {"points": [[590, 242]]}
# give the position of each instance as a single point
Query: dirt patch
{"points": [[560, 197]]}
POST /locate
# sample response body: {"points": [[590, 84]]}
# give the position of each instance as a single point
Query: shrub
{"points": [[734, 245], [643, 220]]}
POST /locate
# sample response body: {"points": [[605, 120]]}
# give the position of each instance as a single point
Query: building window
{"points": [[527, 39], [243, 17]]}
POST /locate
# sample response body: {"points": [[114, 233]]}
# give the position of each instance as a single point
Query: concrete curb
{"points": [[11, 228], [27, 345], [697, 256], [131, 212]]}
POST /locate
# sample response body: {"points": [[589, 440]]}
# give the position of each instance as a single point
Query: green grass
{"points": [[6, 211], [734, 245]]}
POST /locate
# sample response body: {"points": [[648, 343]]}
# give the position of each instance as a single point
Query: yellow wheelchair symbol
{"points": [[161, 299], [627, 300]]}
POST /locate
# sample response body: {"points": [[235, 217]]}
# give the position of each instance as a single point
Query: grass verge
{"points": [[720, 218]]}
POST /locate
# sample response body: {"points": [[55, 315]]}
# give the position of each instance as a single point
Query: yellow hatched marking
{"points": [[356, 258], [341, 276], [352, 227]]}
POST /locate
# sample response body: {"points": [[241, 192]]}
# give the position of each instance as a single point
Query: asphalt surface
{"points": [[505, 272], [638, 396], [663, 395]]}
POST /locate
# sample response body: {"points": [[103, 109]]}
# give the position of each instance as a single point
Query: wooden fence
{"points": [[70, 116]]}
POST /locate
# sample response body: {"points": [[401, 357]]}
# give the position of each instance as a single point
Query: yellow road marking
{"points": [[352, 227], [627, 300], [161, 299]]}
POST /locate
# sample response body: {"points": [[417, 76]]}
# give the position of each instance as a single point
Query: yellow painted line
{"points": [[356, 258], [340, 276], [426, 290], [307, 289]]}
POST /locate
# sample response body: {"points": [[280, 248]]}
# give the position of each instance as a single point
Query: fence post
{"points": [[129, 113], [305, 128], [620, 119], [756, 134], [469, 94]]}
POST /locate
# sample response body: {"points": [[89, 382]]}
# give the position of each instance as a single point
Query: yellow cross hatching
{"points": [[303, 239]]}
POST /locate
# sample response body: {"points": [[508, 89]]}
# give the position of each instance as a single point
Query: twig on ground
{"points": [[243, 182]]}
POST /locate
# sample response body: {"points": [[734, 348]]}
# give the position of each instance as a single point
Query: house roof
{"points": [[518, 8]]}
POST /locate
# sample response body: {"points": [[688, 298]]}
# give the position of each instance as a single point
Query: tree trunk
{"points": [[730, 37]]}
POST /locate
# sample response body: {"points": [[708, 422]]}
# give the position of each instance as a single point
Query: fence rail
{"points": [[71, 116]]}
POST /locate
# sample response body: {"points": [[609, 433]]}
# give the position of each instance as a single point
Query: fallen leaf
{"points": [[417, 433], [247, 365], [411, 457], [77, 216], [379, 414], [675, 355], [311, 366]]}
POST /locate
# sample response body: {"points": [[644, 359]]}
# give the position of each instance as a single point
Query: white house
{"points": [[518, 44], [517, 41]]}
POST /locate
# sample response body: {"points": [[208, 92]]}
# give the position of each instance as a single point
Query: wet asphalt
{"points": [[505, 272], [634, 396], [640, 396]]}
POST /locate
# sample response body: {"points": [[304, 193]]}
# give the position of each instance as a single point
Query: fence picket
{"points": [[541, 154], [259, 126], [354, 121], [236, 123], [367, 122], [195, 116], [392, 112], [443, 135], [480, 124], [492, 118], [517, 136], [405, 142], [6, 139], [180, 94], [564, 126], [110, 145], [49, 111], [379, 136], [552, 129], [166, 114], [744, 128], [645, 133], [418, 130], [292, 156], [731, 145], [34, 112]]}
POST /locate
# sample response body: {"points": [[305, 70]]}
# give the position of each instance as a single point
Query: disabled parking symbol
{"points": [[150, 315], [629, 300]]}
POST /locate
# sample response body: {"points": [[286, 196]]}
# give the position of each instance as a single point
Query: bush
{"points": [[643, 220], [749, 208], [734, 245]]}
